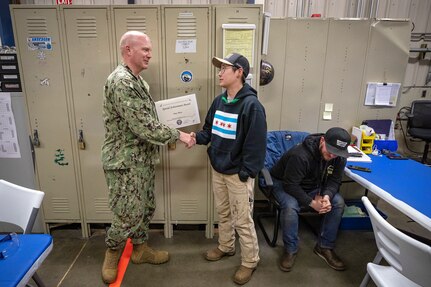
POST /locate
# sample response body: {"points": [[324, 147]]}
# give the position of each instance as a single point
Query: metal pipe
{"points": [[420, 50]]}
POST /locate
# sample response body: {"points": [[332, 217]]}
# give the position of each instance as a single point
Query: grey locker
{"points": [[90, 55], [387, 51], [44, 87], [344, 66], [146, 20], [188, 178], [271, 95], [303, 76]]}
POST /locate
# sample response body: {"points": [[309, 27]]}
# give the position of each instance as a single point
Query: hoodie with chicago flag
{"points": [[236, 130]]}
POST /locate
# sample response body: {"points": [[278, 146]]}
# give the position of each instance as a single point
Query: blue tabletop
{"points": [[406, 180], [14, 267]]}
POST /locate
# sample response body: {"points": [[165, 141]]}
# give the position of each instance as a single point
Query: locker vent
{"points": [[60, 205], [86, 27], [101, 205], [37, 27], [136, 24], [189, 206], [186, 25], [240, 20]]}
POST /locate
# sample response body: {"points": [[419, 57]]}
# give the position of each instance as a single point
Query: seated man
{"points": [[309, 175]]}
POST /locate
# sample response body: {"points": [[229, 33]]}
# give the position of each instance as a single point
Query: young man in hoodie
{"points": [[309, 175], [236, 128]]}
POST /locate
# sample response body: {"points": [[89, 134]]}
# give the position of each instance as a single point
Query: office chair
{"points": [[19, 206], [277, 143], [409, 260], [419, 124]]}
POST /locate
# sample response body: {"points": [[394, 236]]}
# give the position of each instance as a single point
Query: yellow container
{"points": [[367, 143]]}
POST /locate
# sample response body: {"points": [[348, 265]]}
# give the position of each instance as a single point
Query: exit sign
{"points": [[63, 2]]}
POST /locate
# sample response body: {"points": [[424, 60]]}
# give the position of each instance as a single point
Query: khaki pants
{"points": [[234, 203]]}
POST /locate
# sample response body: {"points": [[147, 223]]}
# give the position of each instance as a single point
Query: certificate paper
{"points": [[179, 112]]}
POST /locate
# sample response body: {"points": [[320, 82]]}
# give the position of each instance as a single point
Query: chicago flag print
{"points": [[224, 125]]}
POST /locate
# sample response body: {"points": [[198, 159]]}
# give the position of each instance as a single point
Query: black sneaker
{"points": [[330, 258], [287, 261]]}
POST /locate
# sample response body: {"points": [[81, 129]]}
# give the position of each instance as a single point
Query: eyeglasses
{"points": [[223, 68]]}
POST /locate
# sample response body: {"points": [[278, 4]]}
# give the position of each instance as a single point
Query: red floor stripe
{"points": [[122, 265]]}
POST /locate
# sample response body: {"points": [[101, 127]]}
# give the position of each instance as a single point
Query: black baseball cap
{"points": [[337, 140], [235, 60]]}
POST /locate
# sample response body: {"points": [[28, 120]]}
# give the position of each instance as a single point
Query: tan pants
{"points": [[234, 203]]}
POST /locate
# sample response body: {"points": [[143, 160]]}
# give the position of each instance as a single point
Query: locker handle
{"points": [[172, 146], [81, 141], [36, 141]]}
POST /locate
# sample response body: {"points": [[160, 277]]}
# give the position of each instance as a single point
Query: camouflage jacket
{"points": [[132, 129]]}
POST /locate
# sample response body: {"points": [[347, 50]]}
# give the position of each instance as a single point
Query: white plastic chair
{"points": [[409, 260], [19, 206]]}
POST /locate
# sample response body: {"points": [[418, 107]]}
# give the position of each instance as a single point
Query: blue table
{"points": [[404, 184], [19, 267]]}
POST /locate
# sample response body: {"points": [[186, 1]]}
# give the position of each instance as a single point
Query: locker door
{"points": [[386, 59], [303, 76], [43, 78], [89, 56], [188, 169], [145, 19], [344, 66]]}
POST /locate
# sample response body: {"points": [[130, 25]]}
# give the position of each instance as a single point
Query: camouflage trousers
{"points": [[131, 199]]}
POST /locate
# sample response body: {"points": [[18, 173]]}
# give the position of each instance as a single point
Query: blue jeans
{"points": [[289, 219]]}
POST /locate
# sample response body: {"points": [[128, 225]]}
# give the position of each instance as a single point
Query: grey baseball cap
{"points": [[235, 60]]}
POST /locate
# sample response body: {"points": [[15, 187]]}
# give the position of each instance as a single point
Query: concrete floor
{"points": [[77, 262]]}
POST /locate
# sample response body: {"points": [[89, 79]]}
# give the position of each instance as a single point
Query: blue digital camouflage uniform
{"points": [[129, 154]]}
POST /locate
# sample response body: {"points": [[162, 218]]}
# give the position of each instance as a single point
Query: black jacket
{"points": [[237, 132], [303, 169]]}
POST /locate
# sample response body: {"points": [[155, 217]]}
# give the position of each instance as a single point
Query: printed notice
{"points": [[239, 38], [9, 147], [179, 112], [382, 94], [185, 46]]}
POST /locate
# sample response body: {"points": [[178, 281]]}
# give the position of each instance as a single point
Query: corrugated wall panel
{"points": [[420, 11], [398, 9], [336, 8]]}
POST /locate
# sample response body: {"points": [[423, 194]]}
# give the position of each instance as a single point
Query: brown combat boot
{"points": [[142, 253], [110, 265], [216, 254], [243, 275]]}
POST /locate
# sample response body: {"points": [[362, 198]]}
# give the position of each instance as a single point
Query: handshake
{"points": [[188, 139]]}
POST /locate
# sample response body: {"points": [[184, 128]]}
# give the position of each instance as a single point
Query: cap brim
{"points": [[336, 151], [218, 61]]}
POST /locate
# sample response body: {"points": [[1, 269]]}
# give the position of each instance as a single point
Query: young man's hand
{"points": [[321, 204]]}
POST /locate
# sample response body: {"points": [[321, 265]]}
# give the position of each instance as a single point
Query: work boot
{"points": [[243, 275], [287, 261], [330, 257], [110, 265], [216, 254], [142, 253]]}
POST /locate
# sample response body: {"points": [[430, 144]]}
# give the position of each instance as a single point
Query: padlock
{"points": [[81, 145], [81, 142]]}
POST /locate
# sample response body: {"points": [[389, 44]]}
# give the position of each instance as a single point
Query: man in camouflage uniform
{"points": [[133, 134]]}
